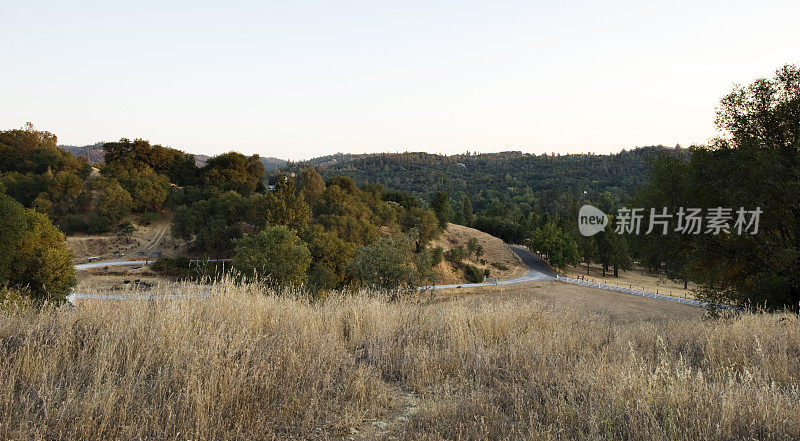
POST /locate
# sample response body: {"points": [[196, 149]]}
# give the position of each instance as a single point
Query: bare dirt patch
{"points": [[148, 239]]}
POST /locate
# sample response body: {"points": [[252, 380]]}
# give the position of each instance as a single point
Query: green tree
{"points": [[276, 254], [668, 187], [34, 255], [217, 221], [311, 184], [441, 208], [126, 230], [234, 171], [330, 256], [425, 261], [113, 202], [466, 211], [64, 191], [183, 224], [755, 164], [558, 247], [421, 225], [472, 245], [13, 223], [385, 264], [587, 248], [284, 206], [613, 251]]}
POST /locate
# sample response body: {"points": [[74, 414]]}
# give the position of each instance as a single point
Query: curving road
{"points": [[85, 266], [538, 271]]}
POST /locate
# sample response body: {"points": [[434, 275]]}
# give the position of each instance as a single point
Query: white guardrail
{"points": [[635, 292]]}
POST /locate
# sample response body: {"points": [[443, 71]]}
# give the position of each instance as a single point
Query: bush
{"points": [[455, 255], [98, 224], [73, 223], [425, 261], [276, 254], [500, 266], [385, 264], [178, 267], [149, 217], [34, 255], [473, 274]]}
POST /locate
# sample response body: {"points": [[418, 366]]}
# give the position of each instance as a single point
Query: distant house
{"points": [[461, 164]]}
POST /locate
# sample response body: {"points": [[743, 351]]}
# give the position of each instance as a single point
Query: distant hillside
{"points": [[502, 175], [269, 163], [94, 153], [504, 194]]}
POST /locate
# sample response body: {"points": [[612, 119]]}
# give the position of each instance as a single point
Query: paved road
{"points": [[85, 266], [538, 271]]}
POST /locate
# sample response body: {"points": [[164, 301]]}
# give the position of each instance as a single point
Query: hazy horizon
{"points": [[307, 79], [391, 152]]}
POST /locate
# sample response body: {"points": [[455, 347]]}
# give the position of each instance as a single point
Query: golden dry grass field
{"points": [[246, 363]]}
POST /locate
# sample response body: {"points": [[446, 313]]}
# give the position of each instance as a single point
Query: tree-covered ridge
{"points": [[505, 174], [506, 194], [95, 154]]}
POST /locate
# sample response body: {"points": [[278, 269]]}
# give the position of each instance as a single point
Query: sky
{"points": [[299, 79]]}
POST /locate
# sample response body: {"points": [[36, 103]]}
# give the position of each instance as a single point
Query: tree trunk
{"points": [[685, 283], [616, 271], [587, 268], [605, 268]]}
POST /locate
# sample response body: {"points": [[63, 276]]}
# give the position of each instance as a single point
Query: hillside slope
{"points": [[501, 262], [506, 173]]}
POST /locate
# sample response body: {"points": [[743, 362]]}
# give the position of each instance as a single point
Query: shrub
{"points": [[500, 266], [385, 264], [98, 224], [149, 217], [34, 255], [455, 255], [473, 274], [425, 261], [73, 223], [178, 267], [276, 254]]}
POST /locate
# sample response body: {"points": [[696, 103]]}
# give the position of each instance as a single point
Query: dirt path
{"points": [[157, 238]]}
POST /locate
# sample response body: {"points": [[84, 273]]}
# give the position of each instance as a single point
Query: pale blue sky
{"points": [[297, 79]]}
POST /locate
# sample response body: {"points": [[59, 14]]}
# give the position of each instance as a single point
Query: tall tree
{"points": [[558, 247], [466, 211], [441, 207], [311, 184]]}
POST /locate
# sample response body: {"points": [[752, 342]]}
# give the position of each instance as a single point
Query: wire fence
{"points": [[636, 292]]}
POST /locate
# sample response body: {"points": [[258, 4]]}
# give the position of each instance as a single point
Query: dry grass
{"points": [[616, 306], [242, 365]]}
